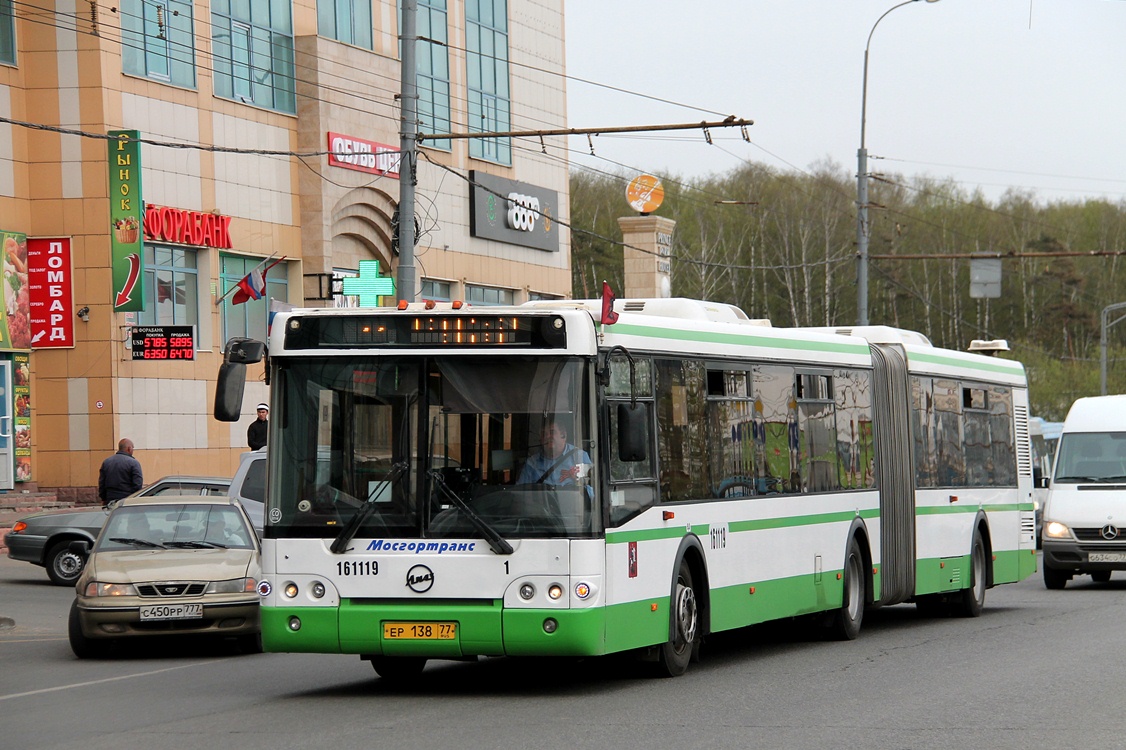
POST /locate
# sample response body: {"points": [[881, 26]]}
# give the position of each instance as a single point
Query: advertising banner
{"points": [[125, 212], [21, 408], [513, 212], [15, 328], [51, 291]]}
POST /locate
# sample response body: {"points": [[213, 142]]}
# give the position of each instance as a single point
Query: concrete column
{"points": [[648, 242]]}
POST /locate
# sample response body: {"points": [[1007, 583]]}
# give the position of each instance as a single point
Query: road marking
{"points": [[107, 679]]}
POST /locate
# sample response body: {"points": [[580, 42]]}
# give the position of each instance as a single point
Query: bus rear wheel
{"points": [[847, 620], [398, 668], [972, 600], [674, 656]]}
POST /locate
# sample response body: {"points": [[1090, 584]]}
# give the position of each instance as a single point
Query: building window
{"points": [[7, 33], [158, 40], [347, 21], [439, 291], [252, 43], [486, 61], [432, 60], [488, 295], [171, 287], [249, 318]]}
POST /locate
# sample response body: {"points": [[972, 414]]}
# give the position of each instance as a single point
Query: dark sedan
{"points": [[44, 538]]}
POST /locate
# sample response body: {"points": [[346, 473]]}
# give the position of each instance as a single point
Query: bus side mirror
{"points": [[232, 377], [633, 432]]}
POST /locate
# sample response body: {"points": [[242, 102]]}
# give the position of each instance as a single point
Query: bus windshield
{"points": [[439, 448]]}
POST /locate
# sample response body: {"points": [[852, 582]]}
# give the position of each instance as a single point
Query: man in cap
{"points": [[256, 433]]}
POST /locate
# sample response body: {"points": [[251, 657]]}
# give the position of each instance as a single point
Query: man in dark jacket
{"points": [[120, 474], [256, 432]]}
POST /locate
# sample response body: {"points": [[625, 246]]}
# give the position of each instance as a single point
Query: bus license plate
{"points": [[1106, 557], [420, 631], [172, 612]]}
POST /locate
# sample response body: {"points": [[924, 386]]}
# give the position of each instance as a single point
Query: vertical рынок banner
{"points": [[125, 212]]}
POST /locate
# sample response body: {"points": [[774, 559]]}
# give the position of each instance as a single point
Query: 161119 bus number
{"points": [[357, 568]]}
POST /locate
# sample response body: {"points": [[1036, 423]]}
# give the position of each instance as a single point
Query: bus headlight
{"points": [[317, 590], [554, 592], [1056, 530], [290, 590], [582, 590], [527, 591]]}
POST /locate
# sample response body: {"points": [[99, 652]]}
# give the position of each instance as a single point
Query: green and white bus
{"points": [[714, 472]]}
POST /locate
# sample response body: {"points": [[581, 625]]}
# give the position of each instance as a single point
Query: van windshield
{"points": [[1091, 457]]}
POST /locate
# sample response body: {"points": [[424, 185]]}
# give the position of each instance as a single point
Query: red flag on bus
{"points": [[609, 317]]}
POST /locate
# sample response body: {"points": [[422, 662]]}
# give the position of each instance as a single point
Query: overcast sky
{"points": [[1029, 94]]}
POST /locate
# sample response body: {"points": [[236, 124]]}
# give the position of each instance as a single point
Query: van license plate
{"points": [[1106, 557]]}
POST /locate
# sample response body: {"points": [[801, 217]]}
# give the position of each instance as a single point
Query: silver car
{"points": [[169, 565], [44, 538]]}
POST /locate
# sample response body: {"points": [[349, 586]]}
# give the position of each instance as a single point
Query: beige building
{"points": [[125, 269]]}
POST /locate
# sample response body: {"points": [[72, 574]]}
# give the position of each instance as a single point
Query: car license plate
{"points": [[171, 611], [1106, 557], [420, 631]]}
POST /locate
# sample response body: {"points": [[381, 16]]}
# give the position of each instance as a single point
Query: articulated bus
{"points": [[704, 472]]}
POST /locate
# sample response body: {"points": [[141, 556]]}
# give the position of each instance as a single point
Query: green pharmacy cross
{"points": [[369, 285]]}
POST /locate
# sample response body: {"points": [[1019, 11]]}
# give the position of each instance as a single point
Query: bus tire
{"points": [[1055, 579], [971, 601], [848, 619], [398, 668], [674, 656]]}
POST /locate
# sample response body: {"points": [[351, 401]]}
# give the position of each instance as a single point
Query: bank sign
{"points": [[513, 212]]}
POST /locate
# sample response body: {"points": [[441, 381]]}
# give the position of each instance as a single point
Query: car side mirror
{"points": [[80, 547]]}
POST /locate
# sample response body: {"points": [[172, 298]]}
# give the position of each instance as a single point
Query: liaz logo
{"points": [[420, 578]]}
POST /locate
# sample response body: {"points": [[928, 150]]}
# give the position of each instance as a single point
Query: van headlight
{"points": [[1056, 530]]}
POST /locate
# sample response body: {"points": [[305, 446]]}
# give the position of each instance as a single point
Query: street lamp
{"points": [[862, 186]]}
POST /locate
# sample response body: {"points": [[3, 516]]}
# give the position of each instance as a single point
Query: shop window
{"points": [[250, 318], [347, 21], [439, 291], [252, 45], [486, 62], [158, 40], [488, 295], [171, 287]]}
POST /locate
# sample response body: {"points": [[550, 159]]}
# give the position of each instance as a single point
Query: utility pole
{"points": [[407, 282]]}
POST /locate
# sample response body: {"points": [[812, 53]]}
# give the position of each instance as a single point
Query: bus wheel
{"points": [[972, 599], [1055, 579], [675, 655], [398, 668], [847, 620]]}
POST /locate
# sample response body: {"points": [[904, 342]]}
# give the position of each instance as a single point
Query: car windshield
{"points": [[1091, 457], [180, 526], [427, 443]]}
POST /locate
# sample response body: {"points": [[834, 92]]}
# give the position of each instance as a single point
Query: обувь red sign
{"points": [[50, 292], [350, 152]]}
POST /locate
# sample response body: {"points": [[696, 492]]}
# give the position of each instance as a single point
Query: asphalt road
{"points": [[1038, 668]]}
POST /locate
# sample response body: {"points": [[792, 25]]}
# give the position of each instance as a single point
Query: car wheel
{"points": [[1101, 576], [64, 566], [83, 647], [250, 644], [1055, 579]]}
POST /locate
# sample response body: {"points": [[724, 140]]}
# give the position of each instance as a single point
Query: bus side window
{"points": [[633, 486]]}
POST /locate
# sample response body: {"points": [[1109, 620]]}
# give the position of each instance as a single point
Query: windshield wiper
{"points": [[135, 542], [196, 545], [1078, 479], [348, 532], [498, 543]]}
